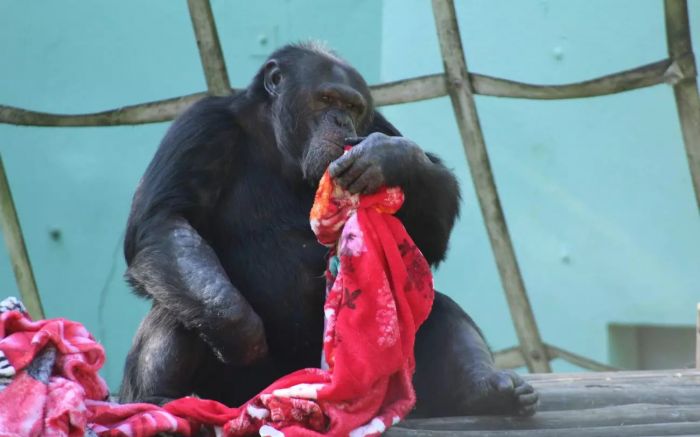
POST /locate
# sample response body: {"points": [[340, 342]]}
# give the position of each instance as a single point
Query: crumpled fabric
{"points": [[379, 292], [48, 369]]}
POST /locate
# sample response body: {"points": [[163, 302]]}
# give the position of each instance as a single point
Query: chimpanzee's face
{"points": [[318, 102]]}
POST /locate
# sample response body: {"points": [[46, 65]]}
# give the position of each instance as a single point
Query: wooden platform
{"points": [[616, 404]]}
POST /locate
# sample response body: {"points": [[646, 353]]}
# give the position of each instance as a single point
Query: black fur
{"points": [[219, 239]]}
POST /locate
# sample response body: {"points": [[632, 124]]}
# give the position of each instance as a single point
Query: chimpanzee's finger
{"points": [[351, 174], [353, 141], [340, 165], [362, 183], [372, 185]]}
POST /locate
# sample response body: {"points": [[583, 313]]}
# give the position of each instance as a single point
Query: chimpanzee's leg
{"points": [[455, 373], [163, 361]]}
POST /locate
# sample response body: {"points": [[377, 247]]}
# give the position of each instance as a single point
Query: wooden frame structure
{"points": [[604, 404], [14, 240], [678, 70]]}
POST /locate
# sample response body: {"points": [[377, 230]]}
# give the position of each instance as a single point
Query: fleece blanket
{"points": [[379, 292]]}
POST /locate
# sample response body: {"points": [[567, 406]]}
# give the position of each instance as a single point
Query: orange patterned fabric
{"points": [[333, 206]]}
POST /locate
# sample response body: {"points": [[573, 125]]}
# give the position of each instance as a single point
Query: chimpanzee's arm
{"points": [[168, 259], [431, 191], [430, 207]]}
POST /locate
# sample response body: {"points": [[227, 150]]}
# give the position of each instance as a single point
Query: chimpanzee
{"points": [[219, 238]]}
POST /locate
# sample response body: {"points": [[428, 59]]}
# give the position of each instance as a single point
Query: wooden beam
{"points": [[435, 85], [460, 91], [17, 249], [697, 337], [614, 416], [663, 71], [409, 90], [645, 377], [678, 429], [581, 397], [510, 358], [390, 93], [581, 391], [680, 49], [579, 360], [626, 403], [151, 112], [209, 47]]}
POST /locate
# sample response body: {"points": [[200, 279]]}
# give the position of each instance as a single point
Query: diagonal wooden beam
{"points": [[461, 94], [512, 358], [697, 336], [17, 249], [209, 47], [680, 49], [579, 360]]}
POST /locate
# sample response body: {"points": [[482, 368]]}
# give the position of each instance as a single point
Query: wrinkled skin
{"points": [[219, 239], [376, 160]]}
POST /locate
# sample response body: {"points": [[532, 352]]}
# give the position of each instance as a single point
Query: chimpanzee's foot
{"points": [[498, 392], [455, 373]]}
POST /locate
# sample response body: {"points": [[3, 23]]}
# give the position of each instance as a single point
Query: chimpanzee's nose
{"points": [[343, 120]]}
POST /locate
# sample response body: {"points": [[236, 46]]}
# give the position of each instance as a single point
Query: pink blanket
{"points": [[379, 292]]}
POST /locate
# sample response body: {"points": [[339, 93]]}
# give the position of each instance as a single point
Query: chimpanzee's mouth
{"points": [[334, 146]]}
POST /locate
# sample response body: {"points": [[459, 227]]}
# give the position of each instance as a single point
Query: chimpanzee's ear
{"points": [[272, 78]]}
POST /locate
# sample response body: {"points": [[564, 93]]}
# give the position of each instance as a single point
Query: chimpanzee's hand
{"points": [[374, 161], [254, 341], [239, 340]]}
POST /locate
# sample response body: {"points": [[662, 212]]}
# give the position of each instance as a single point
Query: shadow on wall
{"points": [[651, 347]]}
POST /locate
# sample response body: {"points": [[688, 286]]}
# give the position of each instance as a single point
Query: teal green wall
{"points": [[82, 56], [596, 192]]}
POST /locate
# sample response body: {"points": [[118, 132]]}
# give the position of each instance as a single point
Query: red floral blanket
{"points": [[379, 292]]}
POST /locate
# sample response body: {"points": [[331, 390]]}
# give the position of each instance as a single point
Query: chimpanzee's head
{"points": [[316, 101]]}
